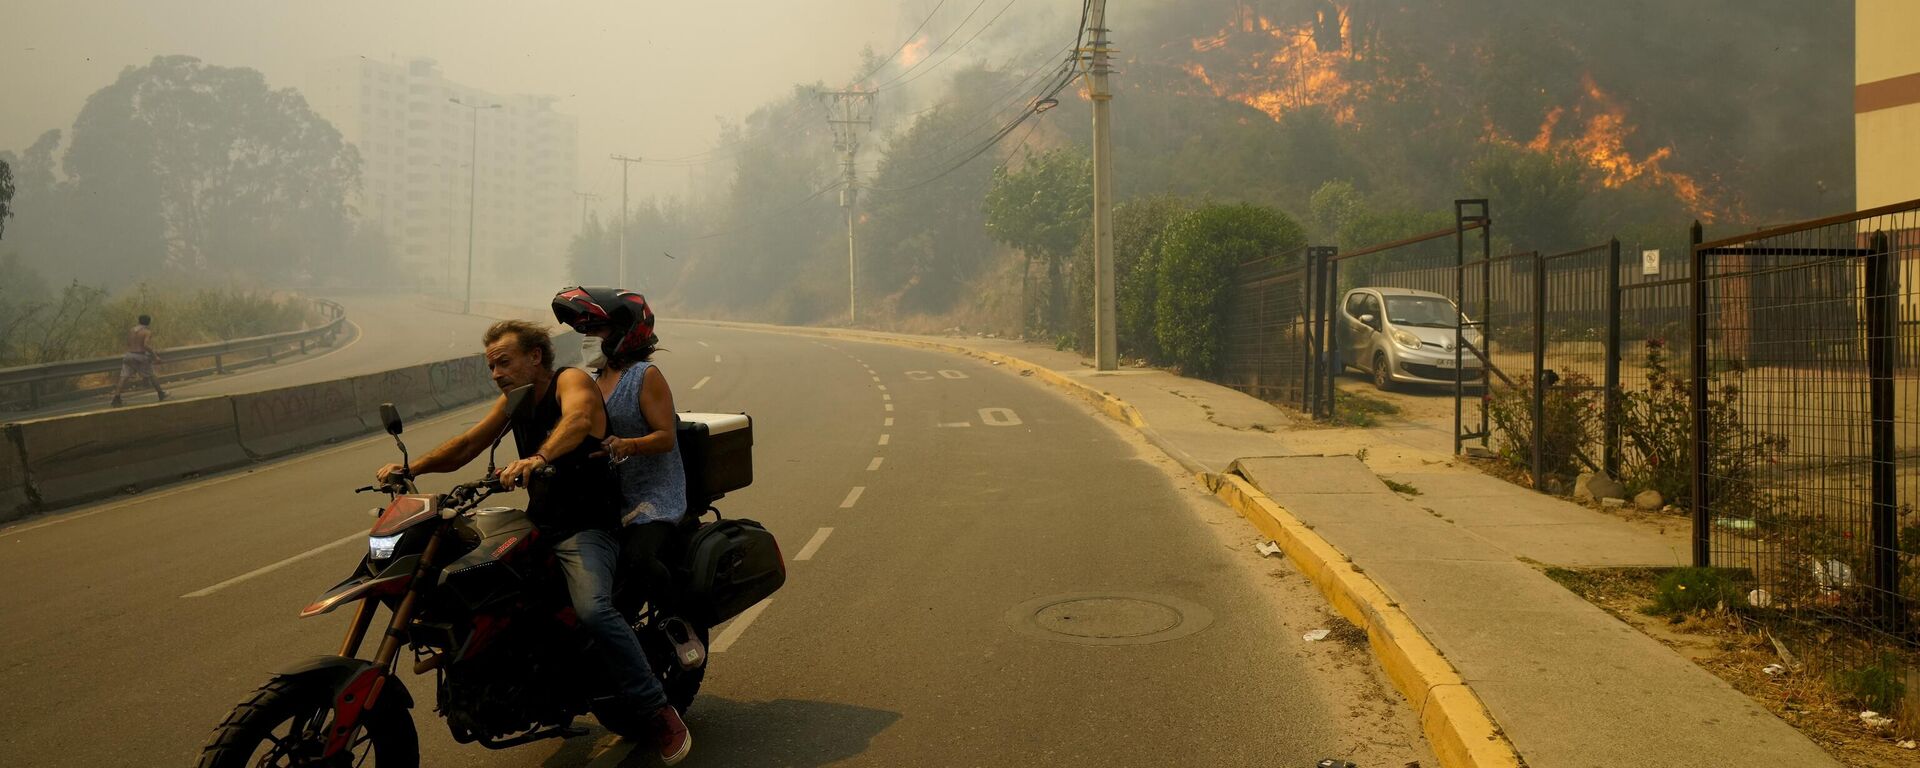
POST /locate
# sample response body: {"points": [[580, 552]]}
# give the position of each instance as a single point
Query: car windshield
{"points": [[1420, 311]]}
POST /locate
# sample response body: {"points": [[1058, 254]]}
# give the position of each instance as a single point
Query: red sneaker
{"points": [[671, 733]]}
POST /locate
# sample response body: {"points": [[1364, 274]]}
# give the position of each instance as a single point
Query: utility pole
{"points": [[625, 163], [850, 113], [1106, 339], [473, 175], [585, 197]]}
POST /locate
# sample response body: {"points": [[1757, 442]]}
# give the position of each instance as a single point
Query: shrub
{"points": [[1137, 230], [1198, 256], [1689, 590], [1656, 429], [1880, 685], [1572, 414]]}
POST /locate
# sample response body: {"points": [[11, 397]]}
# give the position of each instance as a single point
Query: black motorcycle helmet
{"points": [[623, 311]]}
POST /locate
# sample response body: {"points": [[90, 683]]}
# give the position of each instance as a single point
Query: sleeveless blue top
{"points": [[654, 487]]}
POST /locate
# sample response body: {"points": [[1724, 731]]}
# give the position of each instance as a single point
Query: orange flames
{"points": [[914, 52], [1296, 66], [1602, 145]]}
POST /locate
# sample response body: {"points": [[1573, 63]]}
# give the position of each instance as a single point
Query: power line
{"points": [[765, 220], [936, 48], [912, 36], [963, 45]]}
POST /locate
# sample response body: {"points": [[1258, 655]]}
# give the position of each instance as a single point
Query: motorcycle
{"points": [[476, 599]]}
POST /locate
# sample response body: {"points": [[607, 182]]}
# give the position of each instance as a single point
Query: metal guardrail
{"points": [[35, 378]]}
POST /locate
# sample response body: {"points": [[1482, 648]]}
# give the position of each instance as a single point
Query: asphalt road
{"points": [[923, 498], [385, 332]]}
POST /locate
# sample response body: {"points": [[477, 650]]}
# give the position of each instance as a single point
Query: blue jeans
{"points": [[588, 558]]}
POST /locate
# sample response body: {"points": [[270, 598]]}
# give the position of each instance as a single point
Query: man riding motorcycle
{"points": [[577, 509]]}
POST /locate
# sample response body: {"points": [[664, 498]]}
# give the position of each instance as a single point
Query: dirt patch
{"points": [[1737, 651]]}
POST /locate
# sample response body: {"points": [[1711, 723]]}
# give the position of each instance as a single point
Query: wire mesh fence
{"points": [[1806, 463], [1269, 341]]}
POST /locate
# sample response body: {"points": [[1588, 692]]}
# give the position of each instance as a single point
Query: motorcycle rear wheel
{"points": [[288, 720]]}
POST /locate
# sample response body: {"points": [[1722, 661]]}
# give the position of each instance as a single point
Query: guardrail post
{"points": [[219, 365], [33, 394]]}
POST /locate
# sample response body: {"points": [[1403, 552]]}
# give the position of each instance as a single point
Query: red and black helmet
{"points": [[623, 312]]}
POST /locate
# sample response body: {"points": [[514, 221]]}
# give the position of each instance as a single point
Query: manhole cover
{"points": [[1109, 618]]}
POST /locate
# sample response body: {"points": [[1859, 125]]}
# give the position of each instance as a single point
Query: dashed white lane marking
{"points": [[889, 406], [813, 544], [884, 439], [889, 422], [702, 382], [716, 358], [266, 569], [875, 464], [876, 378], [956, 424], [886, 397], [738, 626], [853, 497], [883, 387], [702, 343]]}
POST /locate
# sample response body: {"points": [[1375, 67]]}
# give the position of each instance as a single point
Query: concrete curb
{"points": [[1452, 716]]}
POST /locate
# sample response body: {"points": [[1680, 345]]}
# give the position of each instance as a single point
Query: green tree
{"points": [[1043, 209], [209, 169], [1539, 194], [927, 238], [1198, 256]]}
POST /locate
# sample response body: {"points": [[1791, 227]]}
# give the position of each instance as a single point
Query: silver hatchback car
{"points": [[1404, 336]]}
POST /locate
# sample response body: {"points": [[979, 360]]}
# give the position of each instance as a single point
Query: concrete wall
{"points": [[1886, 101]]}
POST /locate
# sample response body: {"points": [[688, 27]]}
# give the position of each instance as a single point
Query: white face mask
{"points": [[590, 352]]}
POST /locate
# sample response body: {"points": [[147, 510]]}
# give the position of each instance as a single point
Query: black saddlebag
{"points": [[728, 566]]}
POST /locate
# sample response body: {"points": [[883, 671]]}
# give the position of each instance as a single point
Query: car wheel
{"points": [[1382, 372]]}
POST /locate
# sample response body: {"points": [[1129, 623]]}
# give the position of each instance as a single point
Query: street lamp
{"points": [[473, 173]]}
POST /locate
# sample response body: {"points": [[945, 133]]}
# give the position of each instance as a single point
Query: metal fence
{"points": [[1806, 429], [1270, 346], [30, 386]]}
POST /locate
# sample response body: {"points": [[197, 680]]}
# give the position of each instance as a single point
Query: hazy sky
{"points": [[647, 77]]}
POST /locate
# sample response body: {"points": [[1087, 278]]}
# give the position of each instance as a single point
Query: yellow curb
{"points": [[1454, 720]]}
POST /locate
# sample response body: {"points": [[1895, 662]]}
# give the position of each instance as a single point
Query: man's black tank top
{"points": [[584, 493]]}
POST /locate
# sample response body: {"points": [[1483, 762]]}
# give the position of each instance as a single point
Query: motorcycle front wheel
{"points": [[284, 725]]}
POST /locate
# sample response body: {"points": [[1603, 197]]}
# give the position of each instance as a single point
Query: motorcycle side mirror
{"points": [[390, 416], [517, 403]]}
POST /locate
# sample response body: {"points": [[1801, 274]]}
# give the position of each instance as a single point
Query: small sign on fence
{"points": [[1650, 262]]}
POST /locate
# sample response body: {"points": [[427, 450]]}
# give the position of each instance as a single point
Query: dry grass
{"points": [[1738, 652]]}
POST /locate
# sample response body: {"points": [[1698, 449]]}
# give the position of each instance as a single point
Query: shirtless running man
{"points": [[138, 360]]}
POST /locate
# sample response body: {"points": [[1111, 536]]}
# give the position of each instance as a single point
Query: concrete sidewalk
{"points": [[1569, 685]]}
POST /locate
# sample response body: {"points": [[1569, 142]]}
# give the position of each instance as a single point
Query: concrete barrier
{"points": [[81, 458], [277, 422], [15, 500], [410, 389], [460, 381]]}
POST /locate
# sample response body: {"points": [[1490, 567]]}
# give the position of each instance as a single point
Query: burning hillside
{"points": [[1354, 66]]}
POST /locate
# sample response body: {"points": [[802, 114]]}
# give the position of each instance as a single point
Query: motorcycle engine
{"points": [[509, 692]]}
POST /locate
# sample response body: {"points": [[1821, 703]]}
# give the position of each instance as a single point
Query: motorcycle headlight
{"points": [[1405, 339], [381, 547]]}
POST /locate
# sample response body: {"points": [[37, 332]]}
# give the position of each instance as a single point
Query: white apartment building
{"points": [[415, 146]]}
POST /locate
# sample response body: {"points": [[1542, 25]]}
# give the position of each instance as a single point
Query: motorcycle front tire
{"points": [[387, 731]]}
